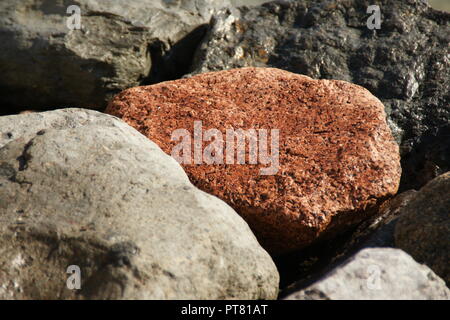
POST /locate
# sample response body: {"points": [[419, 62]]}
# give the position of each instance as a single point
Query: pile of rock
{"points": [[336, 156], [295, 126]]}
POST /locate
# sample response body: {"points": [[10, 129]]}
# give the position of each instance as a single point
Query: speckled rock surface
{"points": [[377, 274], [337, 157], [405, 63], [423, 229], [89, 190], [121, 43]]}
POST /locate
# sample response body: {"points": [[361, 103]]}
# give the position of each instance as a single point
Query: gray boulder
{"points": [[98, 195], [26, 126], [423, 228], [405, 63], [121, 44], [377, 274]]}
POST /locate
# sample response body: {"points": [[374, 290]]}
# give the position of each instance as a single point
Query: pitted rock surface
{"points": [[337, 156]]}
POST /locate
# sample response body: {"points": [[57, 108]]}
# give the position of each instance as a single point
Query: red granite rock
{"points": [[337, 158]]}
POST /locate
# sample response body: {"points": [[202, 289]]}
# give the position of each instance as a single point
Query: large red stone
{"points": [[338, 160]]}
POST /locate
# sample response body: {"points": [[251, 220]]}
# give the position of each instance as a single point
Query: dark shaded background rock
{"points": [[377, 274], [337, 158], [405, 63], [425, 157], [423, 229], [89, 190], [43, 64]]}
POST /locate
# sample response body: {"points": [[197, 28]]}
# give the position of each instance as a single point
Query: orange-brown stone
{"points": [[337, 157]]}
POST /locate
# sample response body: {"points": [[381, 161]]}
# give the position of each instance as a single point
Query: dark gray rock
{"points": [[405, 63], [121, 43], [423, 229], [425, 157], [99, 195], [377, 274]]}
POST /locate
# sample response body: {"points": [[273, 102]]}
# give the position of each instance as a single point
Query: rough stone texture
{"points": [[337, 155], [377, 274], [405, 64], [423, 229], [43, 64], [300, 269], [99, 195]]}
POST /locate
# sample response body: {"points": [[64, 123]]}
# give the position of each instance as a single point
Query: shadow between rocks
{"points": [[300, 269], [175, 63]]}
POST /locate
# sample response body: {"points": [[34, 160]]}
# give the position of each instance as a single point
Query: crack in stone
{"points": [[8, 171], [25, 157]]}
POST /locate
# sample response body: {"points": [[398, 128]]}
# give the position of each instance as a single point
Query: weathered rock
{"points": [[423, 229], [377, 274], [26, 126], [300, 269], [337, 158], [99, 195], [428, 156], [405, 63], [121, 43]]}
